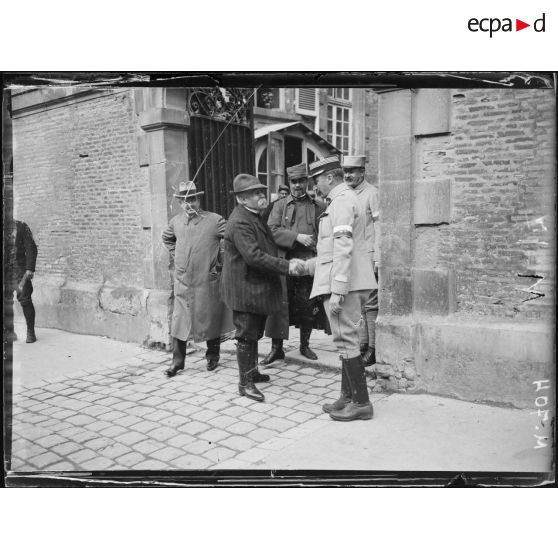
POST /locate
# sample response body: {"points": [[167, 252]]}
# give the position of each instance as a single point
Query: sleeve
{"points": [[221, 224], [169, 238], [30, 249], [282, 236], [375, 207], [342, 218], [246, 242], [311, 266]]}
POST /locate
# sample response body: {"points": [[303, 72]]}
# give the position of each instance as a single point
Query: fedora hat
{"points": [[245, 183], [187, 190], [323, 165], [354, 161]]}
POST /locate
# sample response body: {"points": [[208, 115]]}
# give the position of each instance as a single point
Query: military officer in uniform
{"points": [[343, 274], [353, 174], [194, 240], [250, 285], [294, 223]]}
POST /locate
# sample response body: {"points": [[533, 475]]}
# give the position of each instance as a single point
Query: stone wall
{"points": [[467, 195], [79, 186]]}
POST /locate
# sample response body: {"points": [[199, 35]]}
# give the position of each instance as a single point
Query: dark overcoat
{"points": [[199, 313], [283, 227], [251, 267]]}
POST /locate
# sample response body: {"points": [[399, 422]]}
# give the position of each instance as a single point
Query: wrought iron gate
{"points": [[220, 143]]}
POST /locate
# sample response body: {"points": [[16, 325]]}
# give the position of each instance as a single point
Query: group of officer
{"points": [[309, 261]]}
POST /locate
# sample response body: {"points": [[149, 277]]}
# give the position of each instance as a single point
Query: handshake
{"points": [[297, 267]]}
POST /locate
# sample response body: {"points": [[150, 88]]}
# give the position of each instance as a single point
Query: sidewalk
{"points": [[89, 403]]}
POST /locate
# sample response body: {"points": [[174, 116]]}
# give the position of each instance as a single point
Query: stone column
{"points": [[163, 148]]}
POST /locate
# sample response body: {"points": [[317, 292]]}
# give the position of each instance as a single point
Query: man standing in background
{"points": [[353, 169], [22, 262]]}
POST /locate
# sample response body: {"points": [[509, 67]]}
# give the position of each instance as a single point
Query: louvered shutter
{"points": [[307, 100]]}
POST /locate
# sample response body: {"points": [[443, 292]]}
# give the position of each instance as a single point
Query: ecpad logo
{"points": [[493, 25]]}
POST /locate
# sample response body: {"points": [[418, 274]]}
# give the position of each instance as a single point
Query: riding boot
{"points": [[345, 397], [212, 353], [276, 352], [178, 357], [29, 313], [305, 350], [244, 357], [360, 407], [256, 376]]}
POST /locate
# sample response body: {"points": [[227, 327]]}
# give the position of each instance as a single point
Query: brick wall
{"points": [[500, 157], [77, 183]]}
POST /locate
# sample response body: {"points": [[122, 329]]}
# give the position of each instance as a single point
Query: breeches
{"points": [[24, 295], [345, 325], [249, 327]]}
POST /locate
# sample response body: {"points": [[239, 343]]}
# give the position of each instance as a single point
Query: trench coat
{"points": [[343, 263], [251, 267], [199, 313], [283, 227]]}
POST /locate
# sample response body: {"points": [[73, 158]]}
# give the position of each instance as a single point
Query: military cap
{"points": [[298, 171], [323, 165], [354, 161]]}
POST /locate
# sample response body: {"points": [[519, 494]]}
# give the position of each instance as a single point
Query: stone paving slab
{"points": [[75, 424]]}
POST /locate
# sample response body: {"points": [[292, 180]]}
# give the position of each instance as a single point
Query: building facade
{"points": [[467, 182]]}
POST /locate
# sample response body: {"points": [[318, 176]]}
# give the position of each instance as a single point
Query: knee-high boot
{"points": [[305, 350], [256, 376], [276, 352], [29, 314], [245, 359], [178, 357], [345, 397], [360, 407]]}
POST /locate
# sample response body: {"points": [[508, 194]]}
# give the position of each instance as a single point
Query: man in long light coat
{"points": [[353, 175], [194, 240], [343, 274]]}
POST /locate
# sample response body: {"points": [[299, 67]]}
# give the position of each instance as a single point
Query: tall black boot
{"points": [[256, 376], [212, 353], [305, 350], [276, 352], [29, 313], [178, 357], [360, 407], [345, 398], [244, 357]]}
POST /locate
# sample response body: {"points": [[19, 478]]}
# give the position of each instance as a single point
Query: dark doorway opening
{"points": [[293, 152]]}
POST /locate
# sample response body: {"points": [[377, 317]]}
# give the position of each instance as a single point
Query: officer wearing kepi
{"points": [[343, 274], [353, 175]]}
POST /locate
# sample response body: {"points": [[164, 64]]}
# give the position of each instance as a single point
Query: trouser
{"points": [[367, 330], [345, 325], [249, 329], [23, 296]]}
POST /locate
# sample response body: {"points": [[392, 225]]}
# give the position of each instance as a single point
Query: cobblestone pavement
{"points": [[128, 415]]}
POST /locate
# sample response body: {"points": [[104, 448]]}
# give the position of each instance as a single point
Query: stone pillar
{"points": [[163, 148]]}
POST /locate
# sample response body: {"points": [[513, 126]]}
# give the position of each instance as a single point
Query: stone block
{"points": [[395, 114], [395, 246], [426, 249], [158, 118], [432, 202], [395, 158], [431, 111], [395, 291], [395, 201], [121, 300], [433, 291], [143, 150]]}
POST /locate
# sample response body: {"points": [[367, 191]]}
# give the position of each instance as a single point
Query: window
{"points": [[339, 93], [262, 167], [338, 127], [307, 101], [268, 98]]}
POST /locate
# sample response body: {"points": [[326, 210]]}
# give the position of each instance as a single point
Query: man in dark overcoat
{"points": [[250, 284], [294, 222], [194, 240], [22, 261]]}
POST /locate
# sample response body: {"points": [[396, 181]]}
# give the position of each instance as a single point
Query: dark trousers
{"points": [[249, 327], [23, 295], [179, 351]]}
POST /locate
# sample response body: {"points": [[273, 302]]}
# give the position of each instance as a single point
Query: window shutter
{"points": [[307, 100]]}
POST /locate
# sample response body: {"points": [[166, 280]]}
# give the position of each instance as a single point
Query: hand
{"points": [[305, 239], [297, 267], [335, 301], [29, 274]]}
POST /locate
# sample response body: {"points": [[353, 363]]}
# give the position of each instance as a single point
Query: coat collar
{"points": [[196, 219], [338, 190]]}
